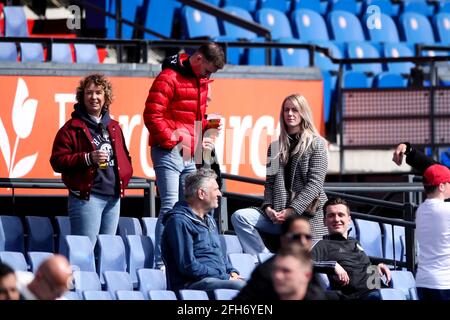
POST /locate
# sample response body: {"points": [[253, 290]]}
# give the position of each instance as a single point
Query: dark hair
{"points": [[429, 189], [213, 53], [99, 80], [5, 270], [286, 225], [297, 251], [333, 202]]}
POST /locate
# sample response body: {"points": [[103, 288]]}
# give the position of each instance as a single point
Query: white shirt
{"points": [[433, 237]]}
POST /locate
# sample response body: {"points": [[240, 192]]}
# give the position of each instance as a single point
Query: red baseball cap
{"points": [[436, 174]]}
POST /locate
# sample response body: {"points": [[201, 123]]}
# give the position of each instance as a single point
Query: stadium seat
{"points": [[86, 280], [280, 5], [395, 50], [149, 226], [385, 6], [352, 231], [36, 258], [161, 295], [346, 5], [198, 24], [370, 237], [140, 254], [416, 28], [8, 51], [361, 50], [129, 12], [230, 244], [322, 61], [243, 262], [110, 252], [70, 295], [444, 6], [442, 24], [11, 234], [323, 280], [31, 52], [159, 16], [151, 279], [128, 226], [391, 294], [276, 21], [418, 6], [389, 80], [404, 281], [313, 5], [388, 242], [345, 26], [97, 295], [40, 234], [262, 257], [15, 260], [188, 294], [129, 295], [329, 85], [225, 294], [86, 53], [15, 21], [249, 5], [80, 252], [383, 29], [117, 280], [356, 80], [61, 53], [232, 30], [62, 229], [309, 26]]}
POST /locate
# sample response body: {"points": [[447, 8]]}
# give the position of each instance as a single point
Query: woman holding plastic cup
{"points": [[90, 153]]}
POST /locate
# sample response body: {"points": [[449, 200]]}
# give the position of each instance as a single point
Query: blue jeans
{"points": [[170, 171], [433, 294], [210, 284], [98, 215], [246, 223]]}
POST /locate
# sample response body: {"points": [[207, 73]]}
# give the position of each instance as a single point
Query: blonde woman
{"points": [[296, 167]]}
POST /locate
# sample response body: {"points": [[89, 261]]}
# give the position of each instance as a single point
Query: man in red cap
{"points": [[433, 236]]}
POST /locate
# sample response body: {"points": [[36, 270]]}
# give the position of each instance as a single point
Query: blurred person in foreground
{"points": [[8, 283]]}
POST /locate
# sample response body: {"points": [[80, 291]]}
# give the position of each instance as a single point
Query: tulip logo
{"points": [[23, 114]]}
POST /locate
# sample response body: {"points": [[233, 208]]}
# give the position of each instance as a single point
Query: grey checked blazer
{"points": [[308, 172]]}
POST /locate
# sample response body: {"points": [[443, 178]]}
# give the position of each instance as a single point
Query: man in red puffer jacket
{"points": [[175, 118]]}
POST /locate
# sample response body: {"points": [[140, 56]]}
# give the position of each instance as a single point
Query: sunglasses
{"points": [[298, 236]]}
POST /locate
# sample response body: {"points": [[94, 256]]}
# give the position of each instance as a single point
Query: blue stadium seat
{"points": [[415, 28], [280, 5], [291, 57], [262, 257], [149, 226], [249, 5], [139, 253], [15, 21], [345, 26], [388, 242], [36, 258], [257, 56], [232, 30], [442, 24], [110, 252], [396, 50], [188, 294], [360, 50], [128, 226], [346, 5], [40, 234], [61, 53], [391, 294], [352, 231], [129, 295], [198, 24], [97, 295], [383, 30], [161, 295], [11, 234], [8, 51], [86, 280], [356, 80], [117, 280], [151, 279], [313, 5], [418, 6], [276, 21], [31, 52], [225, 294], [15, 260], [129, 12], [243, 262], [159, 16], [70, 295], [62, 229], [322, 61], [385, 6], [389, 80], [404, 281], [370, 237], [309, 26], [86, 53], [80, 252], [329, 85], [444, 6], [323, 280]]}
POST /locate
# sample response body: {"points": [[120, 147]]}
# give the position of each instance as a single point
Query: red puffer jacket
{"points": [[71, 144], [175, 101]]}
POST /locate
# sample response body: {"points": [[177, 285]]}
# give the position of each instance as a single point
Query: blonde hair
{"points": [[307, 129]]}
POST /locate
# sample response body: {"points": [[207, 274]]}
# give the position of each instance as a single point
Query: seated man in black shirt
{"points": [[354, 275]]}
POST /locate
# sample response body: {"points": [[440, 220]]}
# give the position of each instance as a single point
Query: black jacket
{"points": [[417, 159]]}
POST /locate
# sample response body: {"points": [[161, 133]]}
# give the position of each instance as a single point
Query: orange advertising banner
{"points": [[33, 108]]}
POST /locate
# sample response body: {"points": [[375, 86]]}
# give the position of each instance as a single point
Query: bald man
{"points": [[51, 281]]}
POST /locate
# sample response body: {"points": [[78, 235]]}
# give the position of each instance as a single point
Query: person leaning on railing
{"points": [[414, 157]]}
